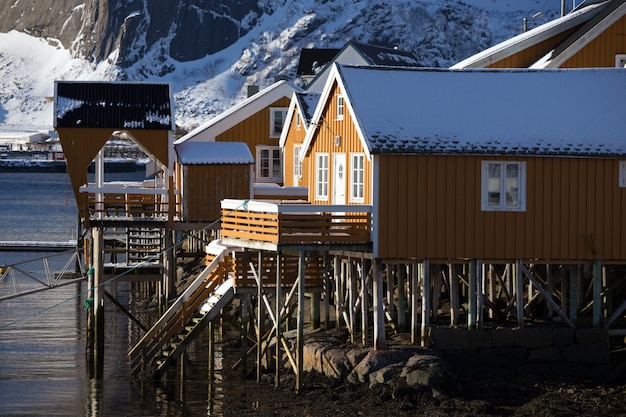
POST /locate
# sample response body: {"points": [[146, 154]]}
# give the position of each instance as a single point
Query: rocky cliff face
{"points": [[185, 30]]}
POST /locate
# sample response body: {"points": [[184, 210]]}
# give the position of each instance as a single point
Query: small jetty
{"points": [[37, 246]]}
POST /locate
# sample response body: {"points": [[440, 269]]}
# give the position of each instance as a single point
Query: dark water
{"points": [[42, 336]]}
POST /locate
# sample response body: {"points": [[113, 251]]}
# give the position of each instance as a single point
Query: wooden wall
{"points": [[295, 136], [254, 130], [204, 187], [429, 207], [600, 52], [528, 56], [323, 141]]}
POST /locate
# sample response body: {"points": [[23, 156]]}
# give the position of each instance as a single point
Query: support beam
{"points": [[380, 341], [454, 294], [415, 294], [98, 302], [574, 288], [364, 302], [300, 327], [425, 302], [278, 359], [519, 293], [472, 322], [597, 293], [259, 315], [401, 274]]}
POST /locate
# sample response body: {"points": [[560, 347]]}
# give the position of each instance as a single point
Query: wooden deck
{"points": [[271, 226]]}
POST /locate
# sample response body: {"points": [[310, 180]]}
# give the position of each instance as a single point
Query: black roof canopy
{"points": [[115, 105]]}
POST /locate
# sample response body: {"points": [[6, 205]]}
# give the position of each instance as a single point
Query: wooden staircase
{"points": [[200, 303]]}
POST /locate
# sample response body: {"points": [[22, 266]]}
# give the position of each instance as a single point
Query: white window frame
{"points": [[274, 165], [487, 181], [322, 171], [274, 112], [298, 120], [357, 177], [622, 174], [620, 60], [297, 163], [341, 106]]}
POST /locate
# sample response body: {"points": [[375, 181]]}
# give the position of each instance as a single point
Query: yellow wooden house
{"points": [[592, 35]]}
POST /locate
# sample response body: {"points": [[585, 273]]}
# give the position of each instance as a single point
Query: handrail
{"points": [[178, 304], [267, 207]]}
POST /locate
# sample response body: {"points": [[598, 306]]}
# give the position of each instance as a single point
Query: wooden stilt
{"points": [[491, 288], [338, 292], [380, 341], [519, 293], [277, 354], [245, 300], [89, 342], [98, 302], [415, 294], [351, 299], [425, 302], [454, 294], [574, 284], [480, 285], [436, 290], [300, 330], [327, 295], [259, 316], [390, 291], [597, 293], [364, 302], [471, 296], [401, 274]]}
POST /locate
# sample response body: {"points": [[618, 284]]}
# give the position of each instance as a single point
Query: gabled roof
{"points": [[612, 12], [115, 105], [312, 60], [240, 112], [530, 38], [195, 153], [505, 112], [305, 104], [354, 53]]}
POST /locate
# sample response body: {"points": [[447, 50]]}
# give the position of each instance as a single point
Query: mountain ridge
{"points": [[211, 51]]}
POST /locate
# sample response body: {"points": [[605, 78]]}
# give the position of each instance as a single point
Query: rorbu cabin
{"points": [[209, 172], [590, 36], [258, 122], [497, 190]]}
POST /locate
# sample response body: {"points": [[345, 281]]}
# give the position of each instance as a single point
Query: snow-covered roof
{"points": [[194, 153], [240, 112], [519, 112], [116, 105], [354, 53], [532, 37]]}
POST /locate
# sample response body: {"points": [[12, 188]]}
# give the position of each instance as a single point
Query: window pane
{"points": [[512, 185], [265, 163], [493, 185], [276, 170]]}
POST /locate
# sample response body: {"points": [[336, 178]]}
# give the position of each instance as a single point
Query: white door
{"points": [[339, 178]]}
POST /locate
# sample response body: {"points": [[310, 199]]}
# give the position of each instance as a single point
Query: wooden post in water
{"points": [[98, 302], [279, 305], [89, 342]]}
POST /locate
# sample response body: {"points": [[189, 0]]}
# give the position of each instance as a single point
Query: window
{"points": [[620, 60], [340, 107], [298, 122], [321, 189], [297, 164], [622, 174], [357, 177], [277, 120], [268, 164], [503, 186]]}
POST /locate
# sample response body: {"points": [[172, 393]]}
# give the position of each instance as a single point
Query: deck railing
{"points": [[296, 223], [125, 202]]}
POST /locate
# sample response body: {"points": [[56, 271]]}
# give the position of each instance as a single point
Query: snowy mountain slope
{"points": [[439, 32]]}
